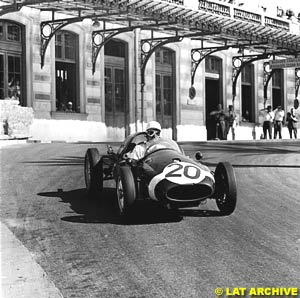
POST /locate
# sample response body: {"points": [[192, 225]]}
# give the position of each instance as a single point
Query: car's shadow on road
{"points": [[103, 209]]}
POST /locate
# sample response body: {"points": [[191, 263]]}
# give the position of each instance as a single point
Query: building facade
{"points": [[74, 102]]}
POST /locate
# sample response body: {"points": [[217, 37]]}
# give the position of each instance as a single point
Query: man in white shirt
{"points": [[268, 120], [278, 121]]}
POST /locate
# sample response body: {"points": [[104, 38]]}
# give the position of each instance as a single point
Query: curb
{"points": [[21, 275]]}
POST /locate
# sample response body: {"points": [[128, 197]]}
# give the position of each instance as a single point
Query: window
{"points": [[66, 44], [12, 77], [115, 48], [213, 65], [13, 32], [247, 93], [163, 56]]}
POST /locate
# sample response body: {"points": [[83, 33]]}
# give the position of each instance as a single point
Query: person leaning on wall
{"points": [[219, 116]]}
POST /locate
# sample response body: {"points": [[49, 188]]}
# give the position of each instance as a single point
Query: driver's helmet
{"points": [[153, 129]]}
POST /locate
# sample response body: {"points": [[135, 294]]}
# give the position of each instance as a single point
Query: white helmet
{"points": [[153, 125]]}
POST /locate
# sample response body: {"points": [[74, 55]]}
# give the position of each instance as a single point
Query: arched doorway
{"points": [[12, 61], [116, 88], [213, 71]]}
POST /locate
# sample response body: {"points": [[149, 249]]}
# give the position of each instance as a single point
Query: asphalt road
{"points": [[87, 251]]}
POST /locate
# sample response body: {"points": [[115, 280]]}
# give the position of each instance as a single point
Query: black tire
{"points": [[226, 189], [93, 172], [126, 191]]}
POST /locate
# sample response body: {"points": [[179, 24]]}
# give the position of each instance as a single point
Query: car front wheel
{"points": [[226, 189], [126, 193]]}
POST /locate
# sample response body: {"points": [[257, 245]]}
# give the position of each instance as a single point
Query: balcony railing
{"points": [[277, 24], [243, 15], [246, 16], [214, 8], [178, 2]]}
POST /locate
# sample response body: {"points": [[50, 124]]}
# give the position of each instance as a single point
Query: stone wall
{"points": [[15, 120]]}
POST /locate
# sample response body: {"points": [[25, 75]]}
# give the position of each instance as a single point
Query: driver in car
{"points": [[153, 131], [152, 143]]}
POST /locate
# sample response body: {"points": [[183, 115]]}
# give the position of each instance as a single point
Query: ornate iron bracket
{"points": [[148, 47], [268, 73], [238, 63], [49, 28], [198, 55], [101, 37]]}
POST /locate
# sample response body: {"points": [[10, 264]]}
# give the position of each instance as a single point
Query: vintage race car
{"points": [[165, 174]]}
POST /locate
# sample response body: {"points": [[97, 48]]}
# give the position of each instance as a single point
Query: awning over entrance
{"points": [[219, 23], [223, 25]]}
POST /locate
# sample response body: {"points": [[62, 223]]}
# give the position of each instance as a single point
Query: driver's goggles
{"points": [[152, 132]]}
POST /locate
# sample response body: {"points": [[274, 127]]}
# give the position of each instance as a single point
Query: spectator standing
{"points": [[278, 121], [268, 120], [292, 123], [219, 115], [246, 116], [231, 121]]}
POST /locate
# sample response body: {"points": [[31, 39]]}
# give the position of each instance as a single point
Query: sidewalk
{"points": [[21, 276]]}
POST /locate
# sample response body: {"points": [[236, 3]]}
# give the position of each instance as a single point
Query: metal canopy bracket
{"points": [[101, 37], [148, 47], [48, 30], [198, 55], [238, 63]]}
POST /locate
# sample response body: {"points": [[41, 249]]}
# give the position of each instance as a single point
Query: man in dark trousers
{"points": [[231, 121], [268, 121], [219, 116]]}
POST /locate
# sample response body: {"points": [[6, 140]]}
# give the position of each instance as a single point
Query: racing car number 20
{"points": [[182, 172]]}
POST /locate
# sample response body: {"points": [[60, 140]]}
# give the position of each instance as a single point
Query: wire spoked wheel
{"points": [[126, 193], [226, 189], [120, 195]]}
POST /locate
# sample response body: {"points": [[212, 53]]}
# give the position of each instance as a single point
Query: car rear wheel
{"points": [[126, 192], [226, 189], [93, 172]]}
